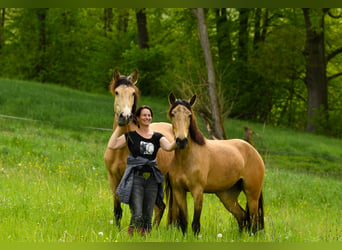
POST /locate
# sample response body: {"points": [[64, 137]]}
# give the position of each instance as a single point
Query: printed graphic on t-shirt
{"points": [[146, 148]]}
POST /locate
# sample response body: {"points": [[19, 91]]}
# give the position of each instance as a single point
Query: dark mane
{"points": [[195, 134], [121, 81]]}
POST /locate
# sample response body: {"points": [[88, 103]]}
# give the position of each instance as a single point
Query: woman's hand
{"points": [[166, 145]]}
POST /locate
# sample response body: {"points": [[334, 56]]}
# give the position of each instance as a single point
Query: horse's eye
{"points": [[134, 94], [116, 93]]}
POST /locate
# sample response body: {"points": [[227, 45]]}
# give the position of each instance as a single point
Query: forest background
{"points": [[280, 66]]}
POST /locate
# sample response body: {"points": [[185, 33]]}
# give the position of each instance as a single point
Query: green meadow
{"points": [[54, 188]]}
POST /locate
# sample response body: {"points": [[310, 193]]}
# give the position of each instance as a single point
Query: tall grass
{"points": [[54, 188]]}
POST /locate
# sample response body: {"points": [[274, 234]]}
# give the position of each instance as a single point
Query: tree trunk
{"points": [[243, 34], [315, 79], [257, 28], [108, 20], [142, 28], [211, 85], [2, 25], [123, 16], [265, 25], [41, 14], [223, 39]]}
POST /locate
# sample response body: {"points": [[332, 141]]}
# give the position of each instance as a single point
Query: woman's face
{"points": [[145, 117]]}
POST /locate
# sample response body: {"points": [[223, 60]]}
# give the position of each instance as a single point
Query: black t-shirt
{"points": [[140, 146]]}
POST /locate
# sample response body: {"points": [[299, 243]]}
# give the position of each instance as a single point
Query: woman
{"points": [[141, 185]]}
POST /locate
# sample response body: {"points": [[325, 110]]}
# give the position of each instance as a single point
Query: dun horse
{"points": [[126, 99], [223, 167]]}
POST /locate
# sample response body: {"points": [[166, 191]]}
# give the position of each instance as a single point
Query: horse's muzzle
{"points": [[124, 120], [181, 143]]}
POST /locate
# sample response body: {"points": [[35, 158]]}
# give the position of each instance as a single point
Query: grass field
{"points": [[54, 188]]}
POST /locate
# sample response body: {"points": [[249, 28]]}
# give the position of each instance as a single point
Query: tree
{"points": [[2, 25], [211, 84], [224, 45], [243, 34], [108, 20], [315, 78], [123, 15], [142, 28], [41, 15]]}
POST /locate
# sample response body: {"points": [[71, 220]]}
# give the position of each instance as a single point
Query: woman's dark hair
{"points": [[138, 112]]}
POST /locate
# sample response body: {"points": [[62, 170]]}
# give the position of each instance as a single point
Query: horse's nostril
{"points": [[181, 143]]}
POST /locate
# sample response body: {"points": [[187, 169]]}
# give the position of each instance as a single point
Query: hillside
{"points": [[72, 109]]}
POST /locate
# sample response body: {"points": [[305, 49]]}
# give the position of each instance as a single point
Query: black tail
{"points": [[261, 222]]}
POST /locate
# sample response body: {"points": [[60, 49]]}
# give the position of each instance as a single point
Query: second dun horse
{"points": [[126, 100], [223, 167]]}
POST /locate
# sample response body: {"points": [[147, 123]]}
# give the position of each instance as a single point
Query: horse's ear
{"points": [[192, 100], [116, 75], [133, 77], [172, 98]]}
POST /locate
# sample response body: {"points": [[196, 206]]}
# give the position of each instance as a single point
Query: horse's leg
{"points": [[229, 199], [198, 202], [173, 212], [158, 214], [181, 203], [253, 195], [113, 180], [117, 204], [252, 206]]}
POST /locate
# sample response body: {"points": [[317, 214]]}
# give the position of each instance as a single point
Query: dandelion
{"points": [[111, 222], [219, 235], [101, 233]]}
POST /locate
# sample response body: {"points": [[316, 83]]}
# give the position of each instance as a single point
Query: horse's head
{"points": [[126, 96], [180, 114]]}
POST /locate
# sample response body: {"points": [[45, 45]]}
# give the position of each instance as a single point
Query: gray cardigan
{"points": [[124, 189]]}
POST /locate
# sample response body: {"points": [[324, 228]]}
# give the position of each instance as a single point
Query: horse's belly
{"points": [[215, 184]]}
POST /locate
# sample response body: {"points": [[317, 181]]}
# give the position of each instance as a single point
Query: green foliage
{"points": [[266, 87], [151, 65]]}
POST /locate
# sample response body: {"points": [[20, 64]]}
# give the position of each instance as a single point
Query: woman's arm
{"points": [[166, 145], [116, 141]]}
